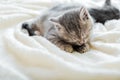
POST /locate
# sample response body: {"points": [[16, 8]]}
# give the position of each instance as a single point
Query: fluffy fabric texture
{"points": [[34, 58]]}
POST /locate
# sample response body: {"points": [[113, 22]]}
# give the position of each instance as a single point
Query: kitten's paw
{"points": [[82, 49], [67, 48], [27, 27]]}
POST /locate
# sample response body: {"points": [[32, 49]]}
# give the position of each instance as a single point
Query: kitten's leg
{"points": [[61, 44], [83, 48], [32, 28]]}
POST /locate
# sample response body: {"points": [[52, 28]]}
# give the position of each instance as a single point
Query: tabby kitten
{"points": [[68, 26], [67, 29]]}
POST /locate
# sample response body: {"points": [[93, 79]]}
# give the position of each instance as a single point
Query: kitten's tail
{"points": [[108, 3]]}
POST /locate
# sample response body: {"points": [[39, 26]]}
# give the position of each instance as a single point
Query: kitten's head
{"points": [[74, 26]]}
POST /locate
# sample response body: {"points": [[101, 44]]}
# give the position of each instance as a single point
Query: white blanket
{"points": [[34, 58]]}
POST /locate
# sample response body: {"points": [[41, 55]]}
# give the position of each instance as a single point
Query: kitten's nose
{"points": [[81, 42], [78, 43]]}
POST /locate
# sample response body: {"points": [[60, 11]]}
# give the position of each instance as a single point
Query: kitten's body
{"points": [[68, 26]]}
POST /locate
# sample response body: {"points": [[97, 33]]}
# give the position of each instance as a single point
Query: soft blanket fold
{"points": [[34, 58]]}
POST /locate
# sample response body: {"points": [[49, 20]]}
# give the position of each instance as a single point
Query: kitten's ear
{"points": [[54, 20], [84, 15], [56, 23]]}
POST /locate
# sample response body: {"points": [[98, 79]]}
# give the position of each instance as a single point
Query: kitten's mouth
{"points": [[76, 43], [79, 44]]}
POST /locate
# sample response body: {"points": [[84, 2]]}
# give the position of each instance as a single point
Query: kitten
{"points": [[107, 12], [67, 29], [68, 26]]}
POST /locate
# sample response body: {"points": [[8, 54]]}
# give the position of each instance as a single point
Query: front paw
{"points": [[67, 48], [82, 49]]}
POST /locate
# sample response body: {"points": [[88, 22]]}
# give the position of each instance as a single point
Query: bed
{"points": [[34, 58]]}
